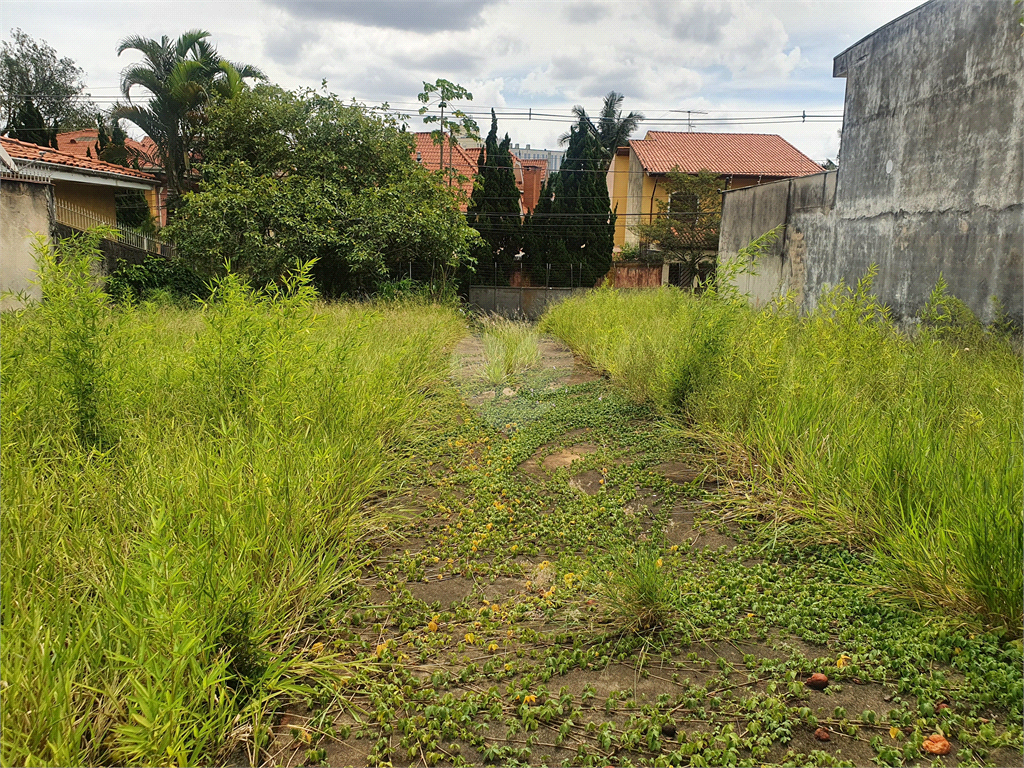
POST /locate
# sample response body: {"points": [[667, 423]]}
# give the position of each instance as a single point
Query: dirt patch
{"points": [[681, 529], [839, 745], [591, 482], [450, 589], [682, 473], [544, 459]]}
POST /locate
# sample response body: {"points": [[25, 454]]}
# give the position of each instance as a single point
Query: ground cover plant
{"points": [[910, 446], [183, 492], [577, 582]]}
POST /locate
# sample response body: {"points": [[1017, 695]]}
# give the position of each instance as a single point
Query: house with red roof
{"points": [[741, 159], [43, 190], [85, 144], [434, 158]]}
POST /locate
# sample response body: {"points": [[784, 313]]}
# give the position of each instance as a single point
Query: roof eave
{"points": [[74, 173]]}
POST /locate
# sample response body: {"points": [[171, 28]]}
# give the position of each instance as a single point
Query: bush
{"points": [[156, 279]]}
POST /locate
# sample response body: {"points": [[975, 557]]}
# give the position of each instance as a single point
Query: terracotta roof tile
{"points": [[77, 143], [428, 154], [23, 150], [733, 154]]}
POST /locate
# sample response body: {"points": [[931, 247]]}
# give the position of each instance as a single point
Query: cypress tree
{"points": [[494, 209], [28, 125], [573, 223]]}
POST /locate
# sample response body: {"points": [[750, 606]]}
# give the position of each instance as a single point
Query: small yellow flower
{"points": [[674, 548], [317, 649], [531, 699], [659, 563], [492, 647], [842, 661], [894, 732], [432, 626], [490, 526]]}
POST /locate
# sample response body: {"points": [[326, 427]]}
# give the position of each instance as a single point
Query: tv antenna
{"points": [[689, 113]]}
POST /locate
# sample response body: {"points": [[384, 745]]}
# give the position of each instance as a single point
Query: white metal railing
{"points": [[75, 216]]}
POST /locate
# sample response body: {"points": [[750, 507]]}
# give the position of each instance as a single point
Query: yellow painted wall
{"points": [[618, 191], [643, 199], [97, 200]]}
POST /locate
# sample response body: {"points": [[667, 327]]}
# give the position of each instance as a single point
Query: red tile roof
{"points": [[428, 154], [731, 154], [23, 150], [78, 142]]}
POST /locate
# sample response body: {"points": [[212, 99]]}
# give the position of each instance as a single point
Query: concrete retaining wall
{"points": [[931, 177], [528, 303]]}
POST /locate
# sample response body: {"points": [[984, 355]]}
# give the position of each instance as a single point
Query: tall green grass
{"points": [[510, 349], [181, 495], [912, 447]]}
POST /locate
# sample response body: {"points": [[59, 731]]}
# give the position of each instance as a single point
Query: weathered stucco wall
{"points": [[932, 169], [804, 202], [24, 211]]}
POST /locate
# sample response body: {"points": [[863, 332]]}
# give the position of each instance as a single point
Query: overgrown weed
{"points": [[912, 447], [182, 494], [510, 349]]}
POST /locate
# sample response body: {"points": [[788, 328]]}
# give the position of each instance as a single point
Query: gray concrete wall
{"points": [[24, 212], [528, 303], [806, 204], [931, 176]]}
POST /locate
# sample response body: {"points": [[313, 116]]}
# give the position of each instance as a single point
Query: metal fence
{"points": [[81, 218]]}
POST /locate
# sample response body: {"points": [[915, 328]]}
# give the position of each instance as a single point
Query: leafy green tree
{"points": [[573, 223], [611, 129], [495, 210], [28, 125], [30, 68], [440, 94], [687, 226], [303, 175], [182, 76]]}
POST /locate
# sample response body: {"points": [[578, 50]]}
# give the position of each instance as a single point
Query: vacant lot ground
{"points": [[505, 619]]}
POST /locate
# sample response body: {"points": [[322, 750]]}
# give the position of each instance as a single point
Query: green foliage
{"points": [[56, 84], [303, 174], [612, 129], [638, 594], [687, 224], [159, 598], [573, 223], [458, 123], [911, 447], [72, 329], [28, 125], [494, 210], [157, 275], [182, 76]]}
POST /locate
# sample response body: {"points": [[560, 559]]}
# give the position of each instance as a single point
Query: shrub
{"points": [[156, 279]]}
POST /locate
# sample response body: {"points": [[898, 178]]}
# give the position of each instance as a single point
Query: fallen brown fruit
{"points": [[822, 734], [936, 745], [817, 681]]}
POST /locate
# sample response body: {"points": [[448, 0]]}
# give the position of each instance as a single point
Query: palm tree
{"points": [[181, 76], [612, 129]]}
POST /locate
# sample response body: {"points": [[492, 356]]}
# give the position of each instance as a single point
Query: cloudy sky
{"points": [[742, 62]]}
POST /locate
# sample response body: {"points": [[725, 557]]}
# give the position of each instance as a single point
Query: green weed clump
{"points": [[182, 494], [510, 349], [638, 592], [911, 446]]}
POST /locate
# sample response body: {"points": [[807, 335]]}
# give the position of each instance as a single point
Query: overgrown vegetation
{"points": [[304, 173], [182, 496], [510, 349], [911, 447]]}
